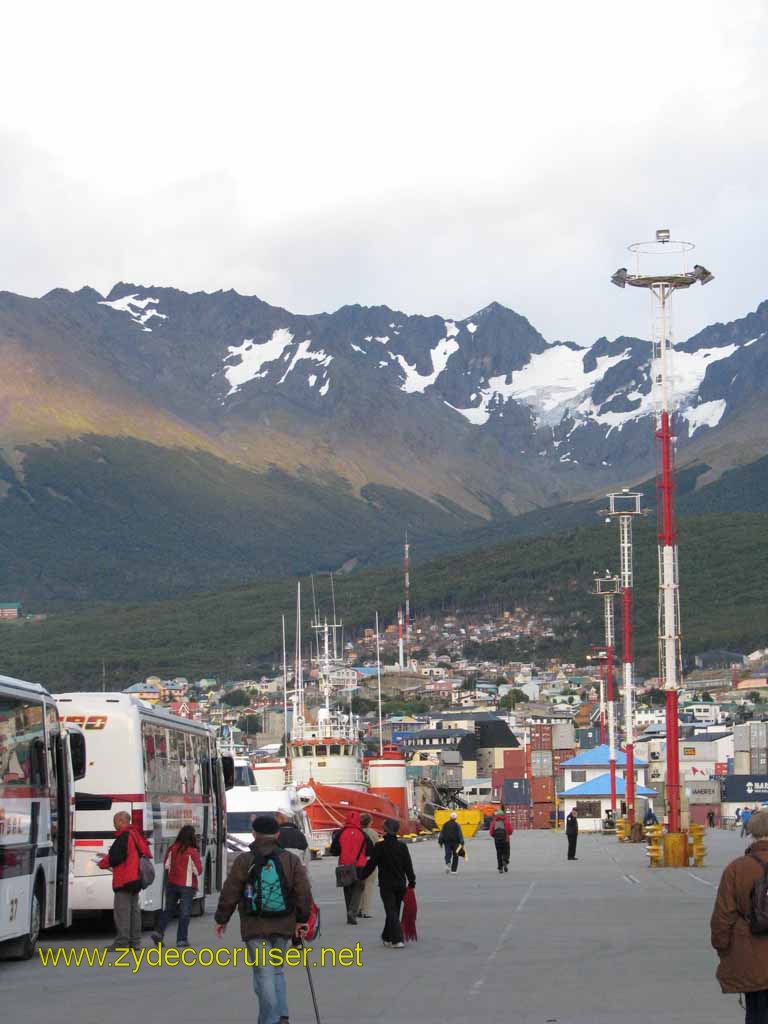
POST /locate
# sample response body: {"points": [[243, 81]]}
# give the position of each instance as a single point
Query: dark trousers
{"points": [[392, 900], [353, 894], [757, 1007], [572, 846], [181, 896], [502, 853], [451, 856]]}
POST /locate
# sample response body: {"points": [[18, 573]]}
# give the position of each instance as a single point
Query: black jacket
{"points": [[291, 838], [451, 834], [571, 826], [393, 859]]}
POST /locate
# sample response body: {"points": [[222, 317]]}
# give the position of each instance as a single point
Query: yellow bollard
{"points": [[696, 848], [675, 850], [621, 830], [654, 834]]}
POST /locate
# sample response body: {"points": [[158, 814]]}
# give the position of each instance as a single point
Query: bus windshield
{"points": [[239, 822]]}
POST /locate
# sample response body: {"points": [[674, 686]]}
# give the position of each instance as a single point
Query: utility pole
{"points": [[662, 284], [607, 587], [625, 506]]}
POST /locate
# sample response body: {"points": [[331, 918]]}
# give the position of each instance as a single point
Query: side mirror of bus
{"points": [[77, 755], [228, 768]]}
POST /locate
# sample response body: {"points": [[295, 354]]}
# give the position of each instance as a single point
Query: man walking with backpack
{"points": [[739, 924], [123, 859], [270, 888], [501, 830]]}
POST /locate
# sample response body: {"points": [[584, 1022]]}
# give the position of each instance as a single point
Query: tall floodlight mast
{"points": [[625, 506], [607, 587], [661, 284]]}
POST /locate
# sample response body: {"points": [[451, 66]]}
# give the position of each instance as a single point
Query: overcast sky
{"points": [[432, 156]]}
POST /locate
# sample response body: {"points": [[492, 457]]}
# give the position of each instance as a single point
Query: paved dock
{"points": [[602, 939]]}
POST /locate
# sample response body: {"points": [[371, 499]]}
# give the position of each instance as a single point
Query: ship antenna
{"points": [[378, 680], [333, 602]]}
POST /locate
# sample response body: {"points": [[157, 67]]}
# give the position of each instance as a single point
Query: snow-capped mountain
{"points": [[367, 415]]}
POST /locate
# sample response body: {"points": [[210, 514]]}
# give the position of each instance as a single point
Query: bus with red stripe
{"points": [[166, 772], [39, 761]]}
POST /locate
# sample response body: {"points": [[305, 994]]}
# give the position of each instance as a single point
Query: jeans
{"points": [[183, 896], [127, 919], [757, 1007], [269, 981], [392, 900], [451, 856], [572, 846], [502, 853]]}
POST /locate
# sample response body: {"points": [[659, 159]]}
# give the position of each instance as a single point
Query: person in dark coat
{"points": [[572, 833], [290, 837], [451, 838], [743, 965], [501, 830], [392, 858]]}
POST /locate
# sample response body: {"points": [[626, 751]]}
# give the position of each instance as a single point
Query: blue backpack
{"points": [[266, 891]]}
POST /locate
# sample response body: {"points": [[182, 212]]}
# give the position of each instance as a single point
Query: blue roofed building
{"points": [[586, 785]]}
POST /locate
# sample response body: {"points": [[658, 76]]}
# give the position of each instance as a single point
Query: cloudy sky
{"points": [[432, 156]]}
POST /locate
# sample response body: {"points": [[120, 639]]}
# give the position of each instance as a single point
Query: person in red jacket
{"points": [[122, 860], [352, 846], [183, 869], [501, 830]]}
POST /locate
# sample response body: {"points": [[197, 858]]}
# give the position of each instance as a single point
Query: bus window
{"points": [[22, 741]]}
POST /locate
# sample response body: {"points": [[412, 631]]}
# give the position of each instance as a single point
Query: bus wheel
{"points": [[24, 948]]}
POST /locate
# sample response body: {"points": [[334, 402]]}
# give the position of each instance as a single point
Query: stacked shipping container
{"points": [[750, 749]]}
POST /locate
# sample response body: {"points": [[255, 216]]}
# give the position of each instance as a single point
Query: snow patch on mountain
{"points": [[253, 357], [136, 308], [416, 382], [471, 328], [303, 351], [708, 414]]}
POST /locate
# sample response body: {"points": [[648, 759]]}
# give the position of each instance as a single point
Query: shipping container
{"points": [[515, 791], [543, 815], [741, 763], [698, 813], [541, 764], [514, 763], [542, 790], [560, 756], [758, 735], [588, 738], [497, 780], [741, 737], [563, 735], [705, 792], [745, 788], [541, 737], [758, 762]]}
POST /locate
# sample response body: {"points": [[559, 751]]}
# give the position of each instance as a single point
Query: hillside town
{"points": [[531, 737]]}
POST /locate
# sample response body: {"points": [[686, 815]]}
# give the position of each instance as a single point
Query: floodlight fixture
{"points": [[620, 277], [702, 274]]}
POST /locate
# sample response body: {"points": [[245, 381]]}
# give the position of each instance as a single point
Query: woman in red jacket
{"points": [[183, 868]]}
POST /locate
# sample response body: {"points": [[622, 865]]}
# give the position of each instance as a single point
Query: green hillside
{"points": [[232, 633]]}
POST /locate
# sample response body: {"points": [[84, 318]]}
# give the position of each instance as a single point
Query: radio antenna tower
{"points": [[661, 284], [407, 579], [607, 587], [626, 506], [400, 647]]}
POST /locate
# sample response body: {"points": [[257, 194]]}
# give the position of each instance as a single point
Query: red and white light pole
{"points": [[662, 285], [607, 587], [625, 506]]}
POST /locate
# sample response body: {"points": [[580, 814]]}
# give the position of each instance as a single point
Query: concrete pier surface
{"points": [[601, 939]]}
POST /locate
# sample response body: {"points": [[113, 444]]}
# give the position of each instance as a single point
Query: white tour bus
{"points": [[39, 762], [165, 771]]}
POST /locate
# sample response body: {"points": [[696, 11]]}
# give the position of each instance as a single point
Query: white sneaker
{"points": [[447, 871], [387, 943], [398, 945]]}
